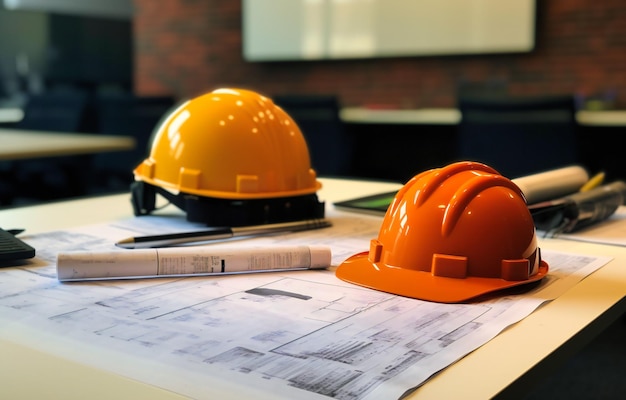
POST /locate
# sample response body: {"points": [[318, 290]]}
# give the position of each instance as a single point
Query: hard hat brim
{"points": [[423, 285]]}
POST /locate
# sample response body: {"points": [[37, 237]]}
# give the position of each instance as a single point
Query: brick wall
{"points": [[187, 47]]}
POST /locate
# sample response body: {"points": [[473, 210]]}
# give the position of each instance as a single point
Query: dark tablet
{"points": [[377, 203]]}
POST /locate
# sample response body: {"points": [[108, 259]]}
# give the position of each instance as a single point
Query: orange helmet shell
{"points": [[232, 144], [451, 234]]}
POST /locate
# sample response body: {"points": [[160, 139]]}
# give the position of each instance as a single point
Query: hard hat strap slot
{"points": [[449, 266], [515, 270]]}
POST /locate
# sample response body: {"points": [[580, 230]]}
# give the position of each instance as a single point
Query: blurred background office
{"points": [[365, 54], [67, 66], [185, 47]]}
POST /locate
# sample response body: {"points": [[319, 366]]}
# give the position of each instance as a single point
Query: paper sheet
{"points": [[305, 335]]}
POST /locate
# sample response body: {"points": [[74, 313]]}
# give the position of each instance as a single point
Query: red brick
{"points": [[185, 47]]}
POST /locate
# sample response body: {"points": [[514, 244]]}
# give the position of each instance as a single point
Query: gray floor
{"points": [[598, 371]]}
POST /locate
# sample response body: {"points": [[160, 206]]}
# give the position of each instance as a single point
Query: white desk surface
{"points": [[517, 357], [24, 144], [452, 116]]}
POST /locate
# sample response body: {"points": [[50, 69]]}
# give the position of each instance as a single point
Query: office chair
{"points": [[53, 177], [126, 114], [518, 135], [62, 111], [318, 118]]}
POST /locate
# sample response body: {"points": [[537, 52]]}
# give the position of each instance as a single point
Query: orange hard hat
{"points": [[451, 234], [229, 157]]}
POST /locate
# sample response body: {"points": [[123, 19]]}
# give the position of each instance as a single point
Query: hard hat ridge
{"points": [[451, 234]]}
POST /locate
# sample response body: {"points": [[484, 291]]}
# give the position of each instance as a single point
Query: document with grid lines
{"points": [[278, 335]]}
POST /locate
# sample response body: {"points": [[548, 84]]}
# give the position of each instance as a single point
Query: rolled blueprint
{"points": [[188, 261], [552, 184]]}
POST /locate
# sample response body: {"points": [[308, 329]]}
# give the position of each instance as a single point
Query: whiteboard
{"points": [[276, 30]]}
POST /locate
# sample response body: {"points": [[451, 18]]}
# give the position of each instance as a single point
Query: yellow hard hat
{"points": [[451, 234], [234, 145]]}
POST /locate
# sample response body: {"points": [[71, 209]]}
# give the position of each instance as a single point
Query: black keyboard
{"points": [[12, 248]]}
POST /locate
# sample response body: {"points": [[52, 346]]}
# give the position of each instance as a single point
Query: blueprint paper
{"points": [[279, 335]]}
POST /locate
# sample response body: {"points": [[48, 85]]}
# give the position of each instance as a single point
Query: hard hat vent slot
{"points": [[515, 270], [376, 251], [189, 178], [448, 266], [247, 184], [147, 168]]}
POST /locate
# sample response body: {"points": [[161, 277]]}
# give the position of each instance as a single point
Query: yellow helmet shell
{"points": [[231, 144]]}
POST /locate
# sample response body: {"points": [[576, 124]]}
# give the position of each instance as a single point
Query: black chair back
{"points": [[318, 118], [42, 179], [63, 111], [128, 115], [518, 135]]}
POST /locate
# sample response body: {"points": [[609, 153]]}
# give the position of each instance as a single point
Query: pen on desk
{"points": [[220, 233], [188, 261], [593, 182]]}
